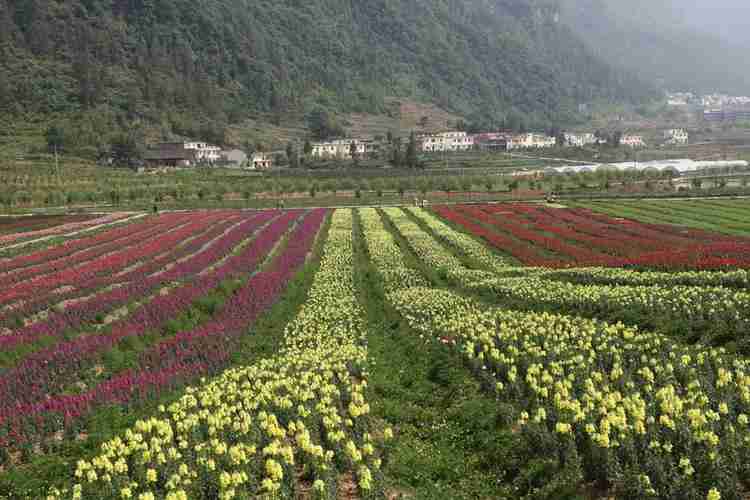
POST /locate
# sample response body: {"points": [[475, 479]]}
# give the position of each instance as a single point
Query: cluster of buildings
{"points": [[191, 154], [715, 107], [581, 140], [707, 101], [445, 141], [194, 154], [722, 101], [456, 141]]}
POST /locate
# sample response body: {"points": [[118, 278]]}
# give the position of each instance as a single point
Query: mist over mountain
{"points": [[698, 45]]}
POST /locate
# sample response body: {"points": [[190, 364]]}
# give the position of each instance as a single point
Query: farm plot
{"points": [[597, 368], [638, 414], [136, 331], [536, 235], [11, 225], [723, 216], [14, 231]]}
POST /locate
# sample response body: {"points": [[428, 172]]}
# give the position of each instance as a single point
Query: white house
{"points": [[445, 141], [340, 148], [531, 141], [676, 136], [262, 161], [204, 152], [633, 141], [579, 140]]}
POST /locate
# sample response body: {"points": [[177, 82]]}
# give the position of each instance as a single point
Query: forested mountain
{"points": [[664, 42], [180, 62]]}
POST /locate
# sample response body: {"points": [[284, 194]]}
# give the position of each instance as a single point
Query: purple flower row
{"points": [[21, 287], [140, 284], [45, 372], [174, 361], [61, 229], [79, 249], [206, 231]]}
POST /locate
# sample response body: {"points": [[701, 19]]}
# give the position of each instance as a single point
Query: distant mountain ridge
{"points": [[175, 61], [660, 44]]}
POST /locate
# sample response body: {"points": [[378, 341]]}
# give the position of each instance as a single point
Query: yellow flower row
{"points": [[684, 302], [431, 252], [636, 397], [623, 391], [385, 253], [254, 430], [465, 243]]}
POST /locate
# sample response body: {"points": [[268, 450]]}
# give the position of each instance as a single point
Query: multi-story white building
{"points": [[579, 140], [199, 152], [342, 148], [676, 136], [445, 141], [531, 141], [633, 141], [204, 152]]}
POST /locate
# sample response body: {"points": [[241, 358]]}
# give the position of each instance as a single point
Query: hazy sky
{"points": [[728, 19]]}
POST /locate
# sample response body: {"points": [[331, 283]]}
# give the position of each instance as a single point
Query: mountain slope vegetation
{"points": [[178, 63]]}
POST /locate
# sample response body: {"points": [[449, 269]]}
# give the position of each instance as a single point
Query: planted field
{"points": [[486, 351], [728, 216], [38, 222], [537, 235]]}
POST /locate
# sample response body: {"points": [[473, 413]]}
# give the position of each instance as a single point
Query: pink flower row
{"points": [[206, 231], [140, 284], [187, 355], [62, 229]]}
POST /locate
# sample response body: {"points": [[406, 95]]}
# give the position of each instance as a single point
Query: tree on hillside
{"points": [[55, 138], [291, 154], [396, 157], [124, 149], [616, 138], [308, 149], [323, 125], [353, 152], [411, 151]]}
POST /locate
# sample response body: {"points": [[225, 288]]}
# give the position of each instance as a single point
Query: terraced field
{"points": [[468, 351]]}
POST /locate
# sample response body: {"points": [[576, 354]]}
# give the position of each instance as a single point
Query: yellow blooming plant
{"points": [[623, 391], [629, 394], [430, 251], [252, 430], [685, 303], [385, 254], [461, 241], [698, 305]]}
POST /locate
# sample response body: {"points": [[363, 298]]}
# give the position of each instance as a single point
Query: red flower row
{"points": [[172, 361]]}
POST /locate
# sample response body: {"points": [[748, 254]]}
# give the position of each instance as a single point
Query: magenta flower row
{"points": [[175, 360]]}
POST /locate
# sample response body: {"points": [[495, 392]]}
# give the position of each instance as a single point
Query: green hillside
{"points": [[193, 66]]}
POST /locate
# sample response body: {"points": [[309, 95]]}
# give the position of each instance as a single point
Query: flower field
{"points": [[227, 354], [536, 235]]}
